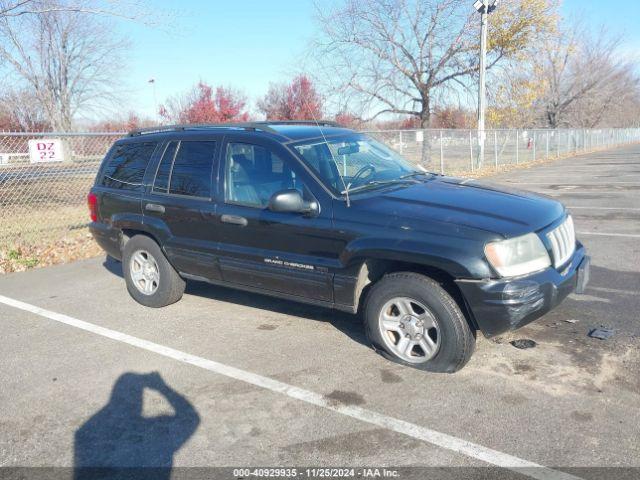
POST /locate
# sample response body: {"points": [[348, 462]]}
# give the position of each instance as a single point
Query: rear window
{"points": [[185, 169], [127, 164]]}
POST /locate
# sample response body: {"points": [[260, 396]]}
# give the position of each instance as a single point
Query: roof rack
{"points": [[324, 123], [263, 126], [199, 126]]}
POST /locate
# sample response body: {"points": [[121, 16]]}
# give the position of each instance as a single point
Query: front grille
{"points": [[563, 242]]}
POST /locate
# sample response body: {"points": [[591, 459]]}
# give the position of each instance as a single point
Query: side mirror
{"points": [[291, 201]]}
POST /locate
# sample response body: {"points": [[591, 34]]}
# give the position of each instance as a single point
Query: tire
{"points": [[431, 332], [149, 262]]}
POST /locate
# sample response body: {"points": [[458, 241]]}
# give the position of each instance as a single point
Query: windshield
{"points": [[354, 162]]}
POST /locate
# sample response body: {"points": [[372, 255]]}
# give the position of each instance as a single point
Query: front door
{"points": [[290, 253]]}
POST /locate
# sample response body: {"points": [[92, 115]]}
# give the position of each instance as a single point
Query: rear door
{"points": [[180, 206], [284, 252]]}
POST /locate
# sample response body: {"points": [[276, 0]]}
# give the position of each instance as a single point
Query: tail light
{"points": [[92, 201]]}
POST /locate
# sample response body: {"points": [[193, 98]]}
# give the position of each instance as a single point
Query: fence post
{"points": [[441, 155], [534, 145], [546, 152], [495, 147], [578, 138], [471, 149], [401, 142], [517, 147]]}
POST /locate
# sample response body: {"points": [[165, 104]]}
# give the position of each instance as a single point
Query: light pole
{"points": [[152, 82], [484, 7]]}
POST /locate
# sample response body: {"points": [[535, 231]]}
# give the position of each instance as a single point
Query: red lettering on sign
{"points": [[44, 146]]}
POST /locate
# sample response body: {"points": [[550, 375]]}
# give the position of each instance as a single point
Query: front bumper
{"points": [[507, 304]]}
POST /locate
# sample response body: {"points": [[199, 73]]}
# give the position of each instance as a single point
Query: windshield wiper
{"points": [[376, 183], [416, 174], [373, 183]]}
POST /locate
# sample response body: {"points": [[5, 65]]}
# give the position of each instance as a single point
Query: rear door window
{"points": [[161, 183], [186, 168], [126, 166]]}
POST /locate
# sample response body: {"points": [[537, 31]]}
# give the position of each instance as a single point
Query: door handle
{"points": [[153, 207], [234, 220]]}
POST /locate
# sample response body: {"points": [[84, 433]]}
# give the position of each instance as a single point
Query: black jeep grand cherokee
{"points": [[322, 214]]}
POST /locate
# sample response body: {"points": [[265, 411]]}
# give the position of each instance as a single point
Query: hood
{"points": [[466, 202]]}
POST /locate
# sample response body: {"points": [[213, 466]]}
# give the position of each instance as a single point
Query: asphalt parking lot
{"points": [[246, 380]]}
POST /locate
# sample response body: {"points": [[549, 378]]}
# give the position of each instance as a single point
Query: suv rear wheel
{"points": [[150, 278], [410, 319]]}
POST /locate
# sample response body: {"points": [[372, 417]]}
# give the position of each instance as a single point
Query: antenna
{"points": [[346, 188]]}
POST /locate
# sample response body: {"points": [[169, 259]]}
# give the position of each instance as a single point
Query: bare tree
{"points": [[21, 111], [69, 60], [613, 104], [586, 78], [131, 10], [404, 56]]}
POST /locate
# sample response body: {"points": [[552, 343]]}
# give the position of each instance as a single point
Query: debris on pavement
{"points": [[571, 320], [523, 343], [601, 333]]}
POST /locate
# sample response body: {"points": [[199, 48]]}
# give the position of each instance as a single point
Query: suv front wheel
{"points": [[150, 278], [410, 319]]}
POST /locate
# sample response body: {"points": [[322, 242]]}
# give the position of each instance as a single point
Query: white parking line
{"points": [[576, 191], [588, 298], [606, 234], [433, 437], [576, 184], [614, 290], [606, 208]]}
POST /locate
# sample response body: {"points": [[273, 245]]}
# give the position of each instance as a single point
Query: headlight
{"points": [[517, 256]]}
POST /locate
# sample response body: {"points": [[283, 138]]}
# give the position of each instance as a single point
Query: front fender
{"points": [[460, 258]]}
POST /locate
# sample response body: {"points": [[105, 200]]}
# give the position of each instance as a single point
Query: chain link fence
{"points": [[43, 201], [457, 151]]}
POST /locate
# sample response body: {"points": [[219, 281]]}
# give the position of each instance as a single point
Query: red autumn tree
{"points": [[298, 100], [451, 117], [131, 122], [202, 105], [410, 123], [349, 120]]}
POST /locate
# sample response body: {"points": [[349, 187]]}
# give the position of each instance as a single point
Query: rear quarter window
{"points": [[125, 167]]}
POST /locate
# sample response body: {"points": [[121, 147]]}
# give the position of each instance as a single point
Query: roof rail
{"points": [[326, 123], [200, 126], [263, 126]]}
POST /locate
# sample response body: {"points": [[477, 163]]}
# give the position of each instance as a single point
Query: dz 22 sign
{"points": [[44, 150]]}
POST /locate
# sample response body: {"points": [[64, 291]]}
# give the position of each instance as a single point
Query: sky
{"points": [[248, 44], [243, 43]]}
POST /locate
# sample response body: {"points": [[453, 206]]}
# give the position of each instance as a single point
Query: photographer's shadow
{"points": [[119, 442]]}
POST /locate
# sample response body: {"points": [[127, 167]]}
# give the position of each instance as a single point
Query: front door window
{"points": [[253, 174]]}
